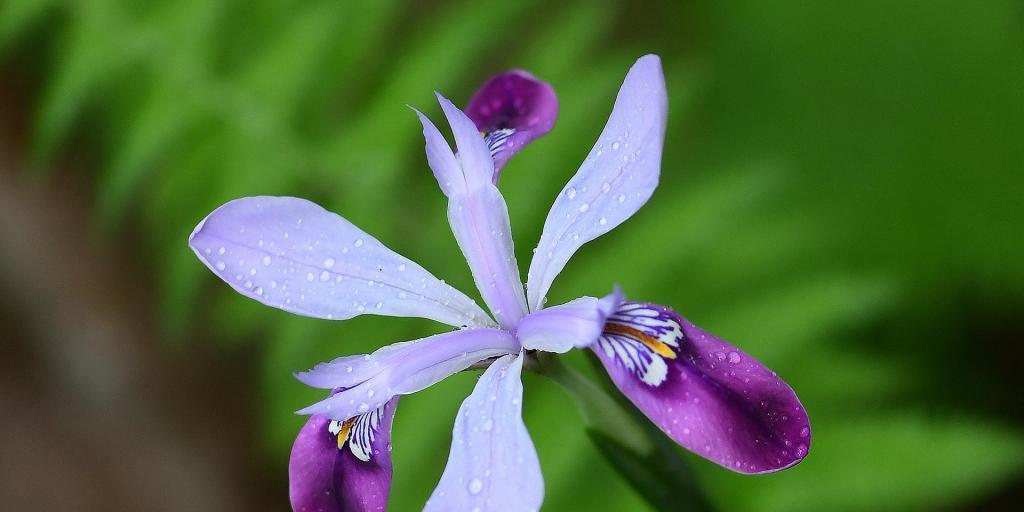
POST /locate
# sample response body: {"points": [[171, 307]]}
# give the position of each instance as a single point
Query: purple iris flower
{"points": [[292, 254]]}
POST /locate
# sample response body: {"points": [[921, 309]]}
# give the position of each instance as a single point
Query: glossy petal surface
{"points": [[292, 254], [478, 215], [373, 379], [326, 475], [616, 179], [492, 465], [511, 110], [706, 394]]}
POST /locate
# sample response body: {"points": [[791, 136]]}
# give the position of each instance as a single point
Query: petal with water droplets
{"points": [[512, 109], [493, 465], [706, 394], [343, 467], [292, 254], [616, 179]]}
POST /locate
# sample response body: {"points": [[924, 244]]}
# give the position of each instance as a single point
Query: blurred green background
{"points": [[841, 197]]}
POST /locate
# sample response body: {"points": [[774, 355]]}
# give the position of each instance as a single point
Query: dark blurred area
{"points": [[841, 188]]}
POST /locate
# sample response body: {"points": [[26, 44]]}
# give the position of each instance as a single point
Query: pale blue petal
{"points": [[292, 254], [493, 465], [615, 180]]}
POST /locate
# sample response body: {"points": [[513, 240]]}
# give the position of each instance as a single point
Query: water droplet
{"points": [[571, 193], [602, 221], [220, 265], [266, 261], [401, 267], [363, 407], [584, 207], [359, 242], [801, 450], [221, 251], [606, 187], [310, 276], [259, 291], [329, 263], [378, 305], [615, 145], [622, 198], [487, 426], [370, 393], [325, 276], [475, 486], [804, 432], [734, 357]]}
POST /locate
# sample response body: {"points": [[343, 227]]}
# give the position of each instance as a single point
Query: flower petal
{"points": [[342, 467], [400, 369], [292, 254], [615, 180], [511, 110], [574, 324], [707, 395], [493, 465], [478, 215]]}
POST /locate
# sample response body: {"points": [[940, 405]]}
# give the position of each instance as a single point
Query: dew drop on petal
{"points": [[325, 276], [602, 221], [571, 193], [475, 486], [220, 265], [584, 207], [266, 261], [359, 242], [329, 263]]}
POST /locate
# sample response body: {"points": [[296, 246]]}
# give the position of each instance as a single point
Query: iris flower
{"points": [[291, 254]]}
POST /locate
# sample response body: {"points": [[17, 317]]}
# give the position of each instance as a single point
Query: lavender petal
{"points": [[400, 369], [616, 179], [492, 465], [577, 323], [292, 254]]}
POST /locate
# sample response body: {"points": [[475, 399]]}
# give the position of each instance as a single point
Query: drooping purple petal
{"points": [[292, 254], [706, 394], [492, 465], [343, 467], [615, 180], [477, 214], [511, 110], [400, 369], [577, 323]]}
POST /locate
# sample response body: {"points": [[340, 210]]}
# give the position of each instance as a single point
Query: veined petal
{"points": [[615, 180], [400, 369], [343, 466], [292, 254], [493, 465], [706, 394], [478, 215], [511, 110], [574, 324]]}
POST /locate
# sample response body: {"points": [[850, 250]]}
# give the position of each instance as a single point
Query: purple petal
{"points": [[292, 254], [330, 473], [400, 369], [511, 110], [477, 214], [709, 396], [574, 324], [493, 465], [615, 180]]}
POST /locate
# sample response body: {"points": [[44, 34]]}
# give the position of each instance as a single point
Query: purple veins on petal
{"points": [[706, 394], [291, 254], [343, 466], [614, 181], [512, 109]]}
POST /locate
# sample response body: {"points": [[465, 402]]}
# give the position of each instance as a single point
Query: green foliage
{"points": [[830, 167]]}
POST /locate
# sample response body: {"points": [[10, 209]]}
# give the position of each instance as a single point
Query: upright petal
{"points": [[511, 110], [493, 465], [292, 254], [343, 466], [574, 324], [715, 400], [400, 369], [615, 180], [478, 215]]}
